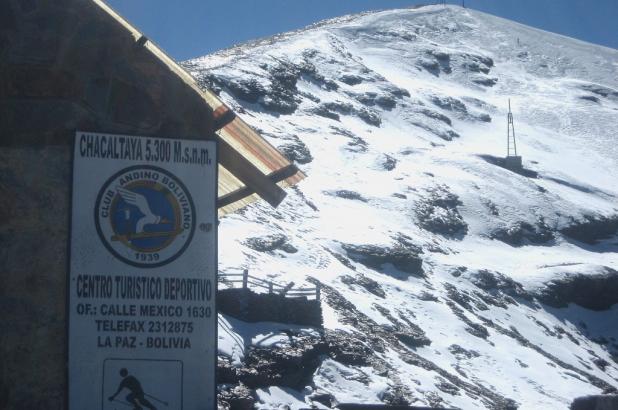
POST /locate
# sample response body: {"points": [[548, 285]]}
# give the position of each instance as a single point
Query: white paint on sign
{"points": [[142, 283]]}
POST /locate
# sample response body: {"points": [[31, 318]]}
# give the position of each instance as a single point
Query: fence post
{"points": [[317, 291], [270, 288], [245, 278], [287, 288]]}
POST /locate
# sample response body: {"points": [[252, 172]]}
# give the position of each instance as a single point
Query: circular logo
{"points": [[145, 216]]}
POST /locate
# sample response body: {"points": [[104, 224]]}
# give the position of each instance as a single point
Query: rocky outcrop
{"points": [[235, 397], [405, 258], [596, 291], [592, 229], [271, 243], [289, 364], [363, 281], [437, 212], [598, 402]]}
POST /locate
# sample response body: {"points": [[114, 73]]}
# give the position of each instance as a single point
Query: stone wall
{"points": [[65, 65], [246, 305]]}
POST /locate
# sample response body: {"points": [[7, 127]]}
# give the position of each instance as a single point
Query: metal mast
{"points": [[511, 145]]}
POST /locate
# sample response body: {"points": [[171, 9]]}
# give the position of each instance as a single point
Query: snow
{"points": [[568, 141], [235, 336]]}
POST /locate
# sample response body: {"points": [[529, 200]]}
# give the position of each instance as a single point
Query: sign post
{"points": [[143, 266]]}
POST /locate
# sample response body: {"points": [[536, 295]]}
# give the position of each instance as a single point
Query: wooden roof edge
{"points": [[209, 97], [235, 162]]}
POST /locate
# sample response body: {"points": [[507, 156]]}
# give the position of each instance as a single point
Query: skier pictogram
{"points": [[137, 397]]}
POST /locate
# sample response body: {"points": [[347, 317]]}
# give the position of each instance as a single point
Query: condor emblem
{"points": [[145, 216]]}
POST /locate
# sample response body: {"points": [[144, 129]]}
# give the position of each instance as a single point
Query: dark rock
{"points": [[368, 98], [430, 65], [589, 98], [488, 281], [323, 111], [450, 104], [437, 212], [461, 353], [598, 402], [386, 102], [477, 63], [397, 91], [363, 281], [344, 261], [400, 196], [247, 90], [458, 271], [409, 333], [483, 117], [370, 117], [387, 162], [309, 73], [267, 243], [291, 365], [226, 373], [427, 297], [405, 259], [351, 79], [458, 108], [345, 348], [461, 297], [488, 82], [435, 115], [597, 291], [592, 229], [492, 207], [282, 96], [325, 399], [446, 135], [393, 397], [340, 107], [413, 339], [356, 143], [296, 151], [521, 233], [600, 90], [443, 59], [346, 194], [600, 363], [447, 387], [475, 329], [238, 397]]}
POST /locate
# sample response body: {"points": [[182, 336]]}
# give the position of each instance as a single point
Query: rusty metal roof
{"points": [[249, 167]]}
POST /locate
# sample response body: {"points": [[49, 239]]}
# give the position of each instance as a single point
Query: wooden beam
{"points": [[249, 174], [222, 116], [275, 177]]}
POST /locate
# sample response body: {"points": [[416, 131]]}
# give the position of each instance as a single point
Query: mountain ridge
{"points": [[454, 274]]}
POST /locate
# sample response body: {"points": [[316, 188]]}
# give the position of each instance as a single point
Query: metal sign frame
{"points": [[145, 206]]}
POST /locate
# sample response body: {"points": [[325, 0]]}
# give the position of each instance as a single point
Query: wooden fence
{"points": [[247, 281]]}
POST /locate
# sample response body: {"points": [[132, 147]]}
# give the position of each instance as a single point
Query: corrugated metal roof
{"points": [[249, 166]]}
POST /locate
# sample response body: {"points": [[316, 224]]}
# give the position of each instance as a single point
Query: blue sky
{"points": [[191, 28]]}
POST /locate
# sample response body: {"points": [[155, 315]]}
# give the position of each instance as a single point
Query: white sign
{"points": [[142, 286]]}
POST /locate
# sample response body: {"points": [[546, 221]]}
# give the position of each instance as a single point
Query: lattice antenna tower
{"points": [[511, 144]]}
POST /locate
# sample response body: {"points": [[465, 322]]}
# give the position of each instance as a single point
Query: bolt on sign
{"points": [[142, 286]]}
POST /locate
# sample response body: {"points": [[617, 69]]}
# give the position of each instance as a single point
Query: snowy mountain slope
{"points": [[398, 118]]}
